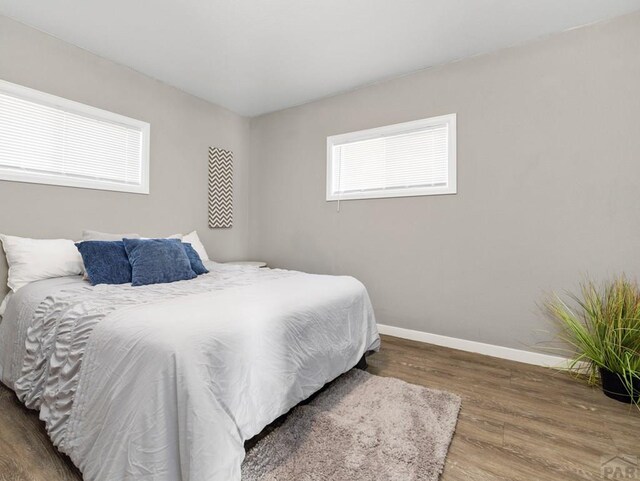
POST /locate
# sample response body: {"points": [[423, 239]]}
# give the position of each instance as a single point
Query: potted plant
{"points": [[602, 325]]}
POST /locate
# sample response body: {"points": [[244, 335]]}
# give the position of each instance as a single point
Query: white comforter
{"points": [[166, 382]]}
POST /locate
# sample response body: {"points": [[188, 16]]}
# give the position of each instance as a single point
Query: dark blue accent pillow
{"points": [[105, 262], [157, 261], [196, 263]]}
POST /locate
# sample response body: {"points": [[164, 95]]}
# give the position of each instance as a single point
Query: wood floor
{"points": [[517, 422]]}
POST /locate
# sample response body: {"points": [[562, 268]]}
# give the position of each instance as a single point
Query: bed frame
{"points": [[362, 363]]}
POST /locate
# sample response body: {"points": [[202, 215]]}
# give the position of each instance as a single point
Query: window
{"points": [[50, 140], [408, 159]]}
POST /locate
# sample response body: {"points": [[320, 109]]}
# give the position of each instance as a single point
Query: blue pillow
{"points": [[157, 261], [196, 263], [105, 262]]}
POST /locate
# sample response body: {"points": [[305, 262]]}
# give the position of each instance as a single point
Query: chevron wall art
{"points": [[220, 188]]}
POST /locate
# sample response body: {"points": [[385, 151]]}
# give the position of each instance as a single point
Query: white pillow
{"points": [[90, 235], [193, 239], [36, 259]]}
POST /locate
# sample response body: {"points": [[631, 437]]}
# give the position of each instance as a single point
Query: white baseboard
{"points": [[527, 357]]}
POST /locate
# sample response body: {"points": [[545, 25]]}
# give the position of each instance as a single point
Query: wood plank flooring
{"points": [[517, 422]]}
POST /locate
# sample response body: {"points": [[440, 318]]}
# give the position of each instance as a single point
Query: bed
{"points": [[165, 382]]}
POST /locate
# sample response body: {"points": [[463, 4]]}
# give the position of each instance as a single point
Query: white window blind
{"points": [[413, 158], [51, 140]]}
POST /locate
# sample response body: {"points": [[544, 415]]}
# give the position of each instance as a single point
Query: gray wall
{"points": [[548, 186], [182, 129], [548, 169]]}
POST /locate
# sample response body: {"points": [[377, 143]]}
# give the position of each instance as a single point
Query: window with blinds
{"points": [[408, 159], [50, 140]]}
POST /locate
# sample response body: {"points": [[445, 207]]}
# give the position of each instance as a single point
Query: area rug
{"points": [[362, 428]]}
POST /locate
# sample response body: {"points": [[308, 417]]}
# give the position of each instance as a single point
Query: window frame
{"points": [[386, 131], [43, 98]]}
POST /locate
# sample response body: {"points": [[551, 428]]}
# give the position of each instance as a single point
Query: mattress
{"points": [[166, 382]]}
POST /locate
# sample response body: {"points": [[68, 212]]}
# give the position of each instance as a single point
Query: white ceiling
{"points": [[257, 56]]}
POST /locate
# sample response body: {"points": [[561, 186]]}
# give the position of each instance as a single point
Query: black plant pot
{"points": [[614, 387]]}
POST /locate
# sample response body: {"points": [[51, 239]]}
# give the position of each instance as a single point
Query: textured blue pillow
{"points": [[105, 262], [196, 263], [157, 261]]}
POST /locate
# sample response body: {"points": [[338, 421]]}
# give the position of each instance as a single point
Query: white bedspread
{"points": [[166, 382]]}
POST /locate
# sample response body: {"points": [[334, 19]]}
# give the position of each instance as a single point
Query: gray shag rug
{"points": [[362, 428]]}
